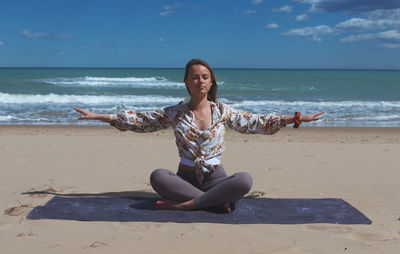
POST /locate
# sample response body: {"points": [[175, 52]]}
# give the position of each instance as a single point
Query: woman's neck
{"points": [[198, 103]]}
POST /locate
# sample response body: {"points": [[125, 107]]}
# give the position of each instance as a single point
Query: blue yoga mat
{"points": [[247, 211]]}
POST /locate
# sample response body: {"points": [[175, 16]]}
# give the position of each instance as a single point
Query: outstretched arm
{"points": [[305, 118], [135, 121], [87, 115], [246, 122]]}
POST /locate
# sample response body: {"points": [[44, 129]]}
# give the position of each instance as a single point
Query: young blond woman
{"points": [[199, 128]]}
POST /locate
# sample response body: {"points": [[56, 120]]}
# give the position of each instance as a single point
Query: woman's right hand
{"points": [[87, 115]]}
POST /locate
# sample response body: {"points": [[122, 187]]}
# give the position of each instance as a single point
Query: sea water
{"points": [[34, 96]]}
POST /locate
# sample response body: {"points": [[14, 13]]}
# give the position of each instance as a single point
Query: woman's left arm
{"points": [[246, 122], [305, 118]]}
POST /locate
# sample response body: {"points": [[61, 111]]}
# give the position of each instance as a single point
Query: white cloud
{"points": [[384, 14], [351, 6], [161, 39], [28, 34], [271, 25], [1, 43], [358, 37], [166, 13], [286, 8], [257, 1], [305, 1], [391, 36], [312, 33], [302, 17], [247, 12], [375, 20], [169, 9], [358, 24]]}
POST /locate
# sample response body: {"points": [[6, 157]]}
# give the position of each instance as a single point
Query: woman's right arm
{"points": [[87, 115], [135, 121]]}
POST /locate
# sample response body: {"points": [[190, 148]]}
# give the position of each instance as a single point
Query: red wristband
{"points": [[297, 121]]}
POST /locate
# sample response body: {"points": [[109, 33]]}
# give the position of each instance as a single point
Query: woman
{"points": [[199, 128]]}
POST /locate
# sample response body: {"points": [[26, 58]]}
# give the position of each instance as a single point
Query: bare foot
{"points": [[166, 204], [174, 205], [225, 207]]}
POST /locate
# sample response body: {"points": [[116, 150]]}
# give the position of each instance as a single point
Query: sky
{"points": [[322, 34]]}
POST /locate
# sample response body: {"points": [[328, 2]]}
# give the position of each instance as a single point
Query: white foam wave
{"points": [[374, 118], [5, 118], [154, 99], [299, 88], [316, 103], [151, 82], [85, 99]]}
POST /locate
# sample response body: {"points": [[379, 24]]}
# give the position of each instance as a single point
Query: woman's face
{"points": [[199, 80]]}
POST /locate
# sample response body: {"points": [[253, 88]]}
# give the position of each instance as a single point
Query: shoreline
{"points": [[287, 134]]}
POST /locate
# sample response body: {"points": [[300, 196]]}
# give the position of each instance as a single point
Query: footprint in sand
{"points": [[97, 244], [26, 234], [369, 236], [255, 194], [21, 210], [44, 190]]}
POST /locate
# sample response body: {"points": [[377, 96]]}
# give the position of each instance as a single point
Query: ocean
{"points": [[47, 96]]}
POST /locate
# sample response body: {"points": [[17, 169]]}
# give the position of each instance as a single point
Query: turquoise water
{"points": [[350, 98]]}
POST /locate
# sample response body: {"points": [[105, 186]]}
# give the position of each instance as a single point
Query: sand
{"points": [[360, 165]]}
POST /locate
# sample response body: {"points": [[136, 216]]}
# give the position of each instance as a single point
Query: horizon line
{"points": [[214, 68]]}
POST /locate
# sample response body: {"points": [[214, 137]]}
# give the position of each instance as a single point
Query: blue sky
{"points": [[341, 34]]}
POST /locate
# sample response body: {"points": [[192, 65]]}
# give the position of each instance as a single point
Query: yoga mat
{"points": [[247, 211]]}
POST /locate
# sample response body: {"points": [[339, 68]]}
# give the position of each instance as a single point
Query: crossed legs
{"points": [[181, 191]]}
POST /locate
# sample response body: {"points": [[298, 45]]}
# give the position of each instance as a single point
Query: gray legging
{"points": [[216, 189]]}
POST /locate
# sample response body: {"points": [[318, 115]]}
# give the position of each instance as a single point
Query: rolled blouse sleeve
{"points": [[246, 122], [147, 121]]}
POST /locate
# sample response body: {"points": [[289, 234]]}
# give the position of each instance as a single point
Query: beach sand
{"points": [[360, 165]]}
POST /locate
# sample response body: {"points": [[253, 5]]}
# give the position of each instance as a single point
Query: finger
{"points": [[81, 111], [318, 114], [78, 110]]}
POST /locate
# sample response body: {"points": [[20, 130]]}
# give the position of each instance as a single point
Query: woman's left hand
{"points": [[310, 117]]}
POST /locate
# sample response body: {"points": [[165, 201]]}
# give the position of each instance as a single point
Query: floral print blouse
{"points": [[194, 144]]}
